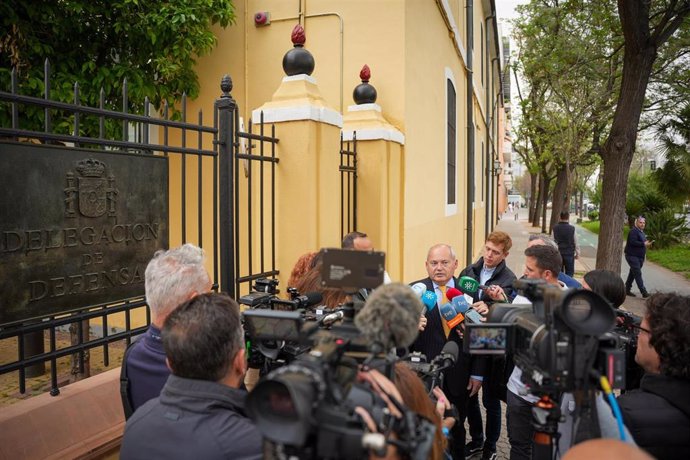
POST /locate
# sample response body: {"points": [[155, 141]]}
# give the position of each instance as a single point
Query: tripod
{"points": [[545, 417], [581, 425]]}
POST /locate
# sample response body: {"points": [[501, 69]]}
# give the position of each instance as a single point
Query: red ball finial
{"points": [[365, 73], [298, 37]]}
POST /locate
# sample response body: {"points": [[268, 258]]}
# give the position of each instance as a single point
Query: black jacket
{"points": [[564, 234], [658, 416], [192, 419], [503, 276], [431, 341], [497, 370], [635, 245]]}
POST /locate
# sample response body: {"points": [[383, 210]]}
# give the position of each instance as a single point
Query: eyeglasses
{"points": [[443, 263], [639, 329]]}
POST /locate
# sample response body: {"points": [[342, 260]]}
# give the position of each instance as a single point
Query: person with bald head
{"points": [[465, 378], [611, 449]]}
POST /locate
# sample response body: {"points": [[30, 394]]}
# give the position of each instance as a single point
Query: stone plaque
{"points": [[77, 227]]}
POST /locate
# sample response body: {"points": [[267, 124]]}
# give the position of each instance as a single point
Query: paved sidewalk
{"points": [[656, 278]]}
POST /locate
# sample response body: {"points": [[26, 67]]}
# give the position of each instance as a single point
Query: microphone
{"points": [[390, 317], [327, 320], [419, 289], [452, 317], [452, 293], [449, 355], [307, 300], [448, 311], [461, 305], [428, 297], [469, 284]]}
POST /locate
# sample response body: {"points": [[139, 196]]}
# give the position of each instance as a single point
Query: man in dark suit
{"points": [[564, 234], [465, 378], [635, 252]]}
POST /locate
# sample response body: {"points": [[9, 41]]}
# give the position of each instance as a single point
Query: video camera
{"points": [[307, 406], [556, 341], [431, 373], [265, 295]]}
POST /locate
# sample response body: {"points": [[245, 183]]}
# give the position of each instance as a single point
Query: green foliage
{"points": [[592, 226], [666, 229], [595, 194], [154, 44], [675, 258], [643, 197], [593, 215], [673, 179]]}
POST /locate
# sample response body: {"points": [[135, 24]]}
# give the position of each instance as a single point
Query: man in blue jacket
{"points": [[635, 252], [200, 411]]}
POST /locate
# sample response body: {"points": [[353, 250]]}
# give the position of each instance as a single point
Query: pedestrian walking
{"points": [[564, 234], [635, 253]]}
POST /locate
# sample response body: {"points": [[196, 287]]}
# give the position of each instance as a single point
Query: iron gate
{"points": [[196, 153], [348, 185]]}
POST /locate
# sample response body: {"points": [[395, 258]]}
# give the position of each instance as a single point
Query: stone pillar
{"points": [[380, 172], [307, 176]]}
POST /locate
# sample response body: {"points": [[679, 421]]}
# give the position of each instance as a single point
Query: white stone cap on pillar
{"points": [[372, 127], [298, 98]]}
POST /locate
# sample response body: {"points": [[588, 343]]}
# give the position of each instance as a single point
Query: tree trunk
{"points": [[539, 201], [617, 152], [546, 182], [534, 192], [560, 195]]}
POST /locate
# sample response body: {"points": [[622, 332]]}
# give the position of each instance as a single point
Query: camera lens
{"points": [[579, 309]]}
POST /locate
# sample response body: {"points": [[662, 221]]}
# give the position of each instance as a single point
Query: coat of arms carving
{"points": [[93, 190]]}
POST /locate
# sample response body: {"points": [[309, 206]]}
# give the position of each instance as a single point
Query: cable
{"points": [[614, 405]]}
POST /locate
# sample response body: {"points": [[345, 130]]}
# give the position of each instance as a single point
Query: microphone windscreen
{"points": [[451, 350], [460, 304], [452, 293], [469, 284], [429, 298], [390, 316], [313, 298]]}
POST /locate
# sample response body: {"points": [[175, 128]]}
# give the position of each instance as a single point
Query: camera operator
{"points": [[465, 378], [310, 281], [360, 241], [658, 414], [200, 412], [541, 262]]}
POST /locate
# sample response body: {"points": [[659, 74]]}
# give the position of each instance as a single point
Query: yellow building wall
{"points": [[409, 49], [429, 52]]}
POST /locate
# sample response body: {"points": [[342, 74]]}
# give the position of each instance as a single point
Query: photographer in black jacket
{"points": [[658, 413]]}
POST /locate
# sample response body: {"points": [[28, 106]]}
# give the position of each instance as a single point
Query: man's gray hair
{"points": [[442, 245], [545, 238], [172, 276]]}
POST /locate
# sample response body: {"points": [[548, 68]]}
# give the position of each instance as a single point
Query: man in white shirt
{"points": [[541, 262]]}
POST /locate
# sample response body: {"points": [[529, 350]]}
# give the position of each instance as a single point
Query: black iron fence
{"points": [[348, 185], [195, 153], [255, 205]]}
